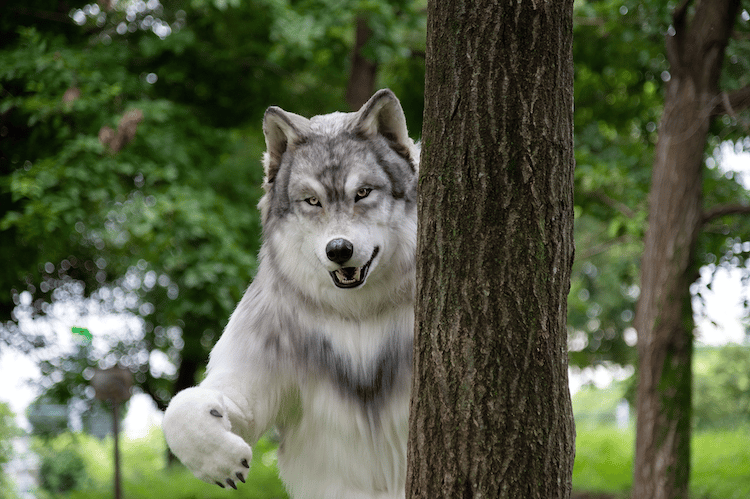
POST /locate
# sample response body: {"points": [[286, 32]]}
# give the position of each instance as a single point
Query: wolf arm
{"points": [[198, 426], [210, 427]]}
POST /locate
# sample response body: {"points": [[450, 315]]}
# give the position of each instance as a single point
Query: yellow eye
{"points": [[313, 201], [362, 193]]}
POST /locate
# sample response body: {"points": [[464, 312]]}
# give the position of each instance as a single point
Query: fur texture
{"points": [[321, 344]]}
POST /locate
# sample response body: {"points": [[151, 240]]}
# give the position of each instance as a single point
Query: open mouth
{"points": [[351, 277]]}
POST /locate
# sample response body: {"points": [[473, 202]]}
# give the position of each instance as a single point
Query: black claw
{"points": [[244, 463], [239, 475], [220, 484], [231, 483], [214, 412]]}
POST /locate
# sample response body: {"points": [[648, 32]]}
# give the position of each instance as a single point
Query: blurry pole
{"points": [[116, 431], [113, 385]]}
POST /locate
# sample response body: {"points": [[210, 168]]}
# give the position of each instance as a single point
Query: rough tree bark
{"points": [[664, 319], [491, 413]]}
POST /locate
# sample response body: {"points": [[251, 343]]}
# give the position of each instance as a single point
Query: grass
{"points": [[720, 467], [145, 474], [604, 460], [604, 463]]}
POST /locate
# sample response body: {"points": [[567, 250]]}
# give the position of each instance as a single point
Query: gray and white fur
{"points": [[321, 344]]}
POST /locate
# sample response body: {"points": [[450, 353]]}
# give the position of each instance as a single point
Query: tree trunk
{"points": [[664, 319], [361, 83], [491, 413]]}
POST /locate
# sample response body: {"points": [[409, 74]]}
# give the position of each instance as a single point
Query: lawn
{"points": [[604, 462], [720, 463], [145, 475]]}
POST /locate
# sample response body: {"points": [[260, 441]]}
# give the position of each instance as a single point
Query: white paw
{"points": [[197, 429]]}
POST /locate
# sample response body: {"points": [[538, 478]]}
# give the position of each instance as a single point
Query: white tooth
{"points": [[342, 276]]}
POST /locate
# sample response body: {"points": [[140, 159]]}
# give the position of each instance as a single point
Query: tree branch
{"points": [[732, 102], [43, 14], [614, 204], [601, 247], [589, 21], [723, 210]]}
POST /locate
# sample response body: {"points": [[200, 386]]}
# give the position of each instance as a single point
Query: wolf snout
{"points": [[339, 250]]}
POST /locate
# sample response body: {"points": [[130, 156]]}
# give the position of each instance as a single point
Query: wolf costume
{"points": [[321, 344]]}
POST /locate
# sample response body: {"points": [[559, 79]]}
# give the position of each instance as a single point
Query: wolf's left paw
{"points": [[197, 428]]}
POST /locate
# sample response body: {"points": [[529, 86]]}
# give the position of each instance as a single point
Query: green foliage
{"points": [[47, 418], [618, 52], [721, 392], [120, 225], [721, 387], [8, 431], [61, 470], [620, 67], [594, 407], [144, 475], [216, 63]]}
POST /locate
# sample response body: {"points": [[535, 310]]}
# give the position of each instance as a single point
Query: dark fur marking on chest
{"points": [[368, 384]]}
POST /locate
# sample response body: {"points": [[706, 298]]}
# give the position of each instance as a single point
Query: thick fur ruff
{"points": [[321, 344]]}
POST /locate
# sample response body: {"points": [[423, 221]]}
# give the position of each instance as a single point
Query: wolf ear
{"points": [[283, 130], [382, 115]]}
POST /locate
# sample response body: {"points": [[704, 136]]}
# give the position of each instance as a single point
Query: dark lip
{"points": [[362, 271]]}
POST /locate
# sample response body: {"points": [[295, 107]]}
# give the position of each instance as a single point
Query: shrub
{"points": [[62, 471], [8, 430], [721, 389]]}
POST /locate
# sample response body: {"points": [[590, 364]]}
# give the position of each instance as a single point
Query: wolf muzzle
{"points": [[340, 251]]}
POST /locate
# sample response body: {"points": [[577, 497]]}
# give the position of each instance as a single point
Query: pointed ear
{"points": [[283, 130], [382, 115]]}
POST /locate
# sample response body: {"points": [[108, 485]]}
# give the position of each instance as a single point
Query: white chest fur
{"points": [[351, 424]]}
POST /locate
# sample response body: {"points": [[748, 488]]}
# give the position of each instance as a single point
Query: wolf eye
{"points": [[313, 201], [362, 193]]}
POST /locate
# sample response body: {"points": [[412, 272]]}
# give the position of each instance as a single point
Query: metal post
{"points": [[116, 431], [113, 385]]}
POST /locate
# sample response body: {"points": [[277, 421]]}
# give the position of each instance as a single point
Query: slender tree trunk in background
{"points": [[361, 83], [664, 317], [491, 414]]}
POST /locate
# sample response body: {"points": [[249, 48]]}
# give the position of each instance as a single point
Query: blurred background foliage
{"points": [[721, 399], [620, 70], [130, 145], [130, 164], [8, 431]]}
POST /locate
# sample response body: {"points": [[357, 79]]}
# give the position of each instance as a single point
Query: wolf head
{"points": [[339, 209]]}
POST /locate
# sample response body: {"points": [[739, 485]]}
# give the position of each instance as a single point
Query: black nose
{"points": [[339, 250]]}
